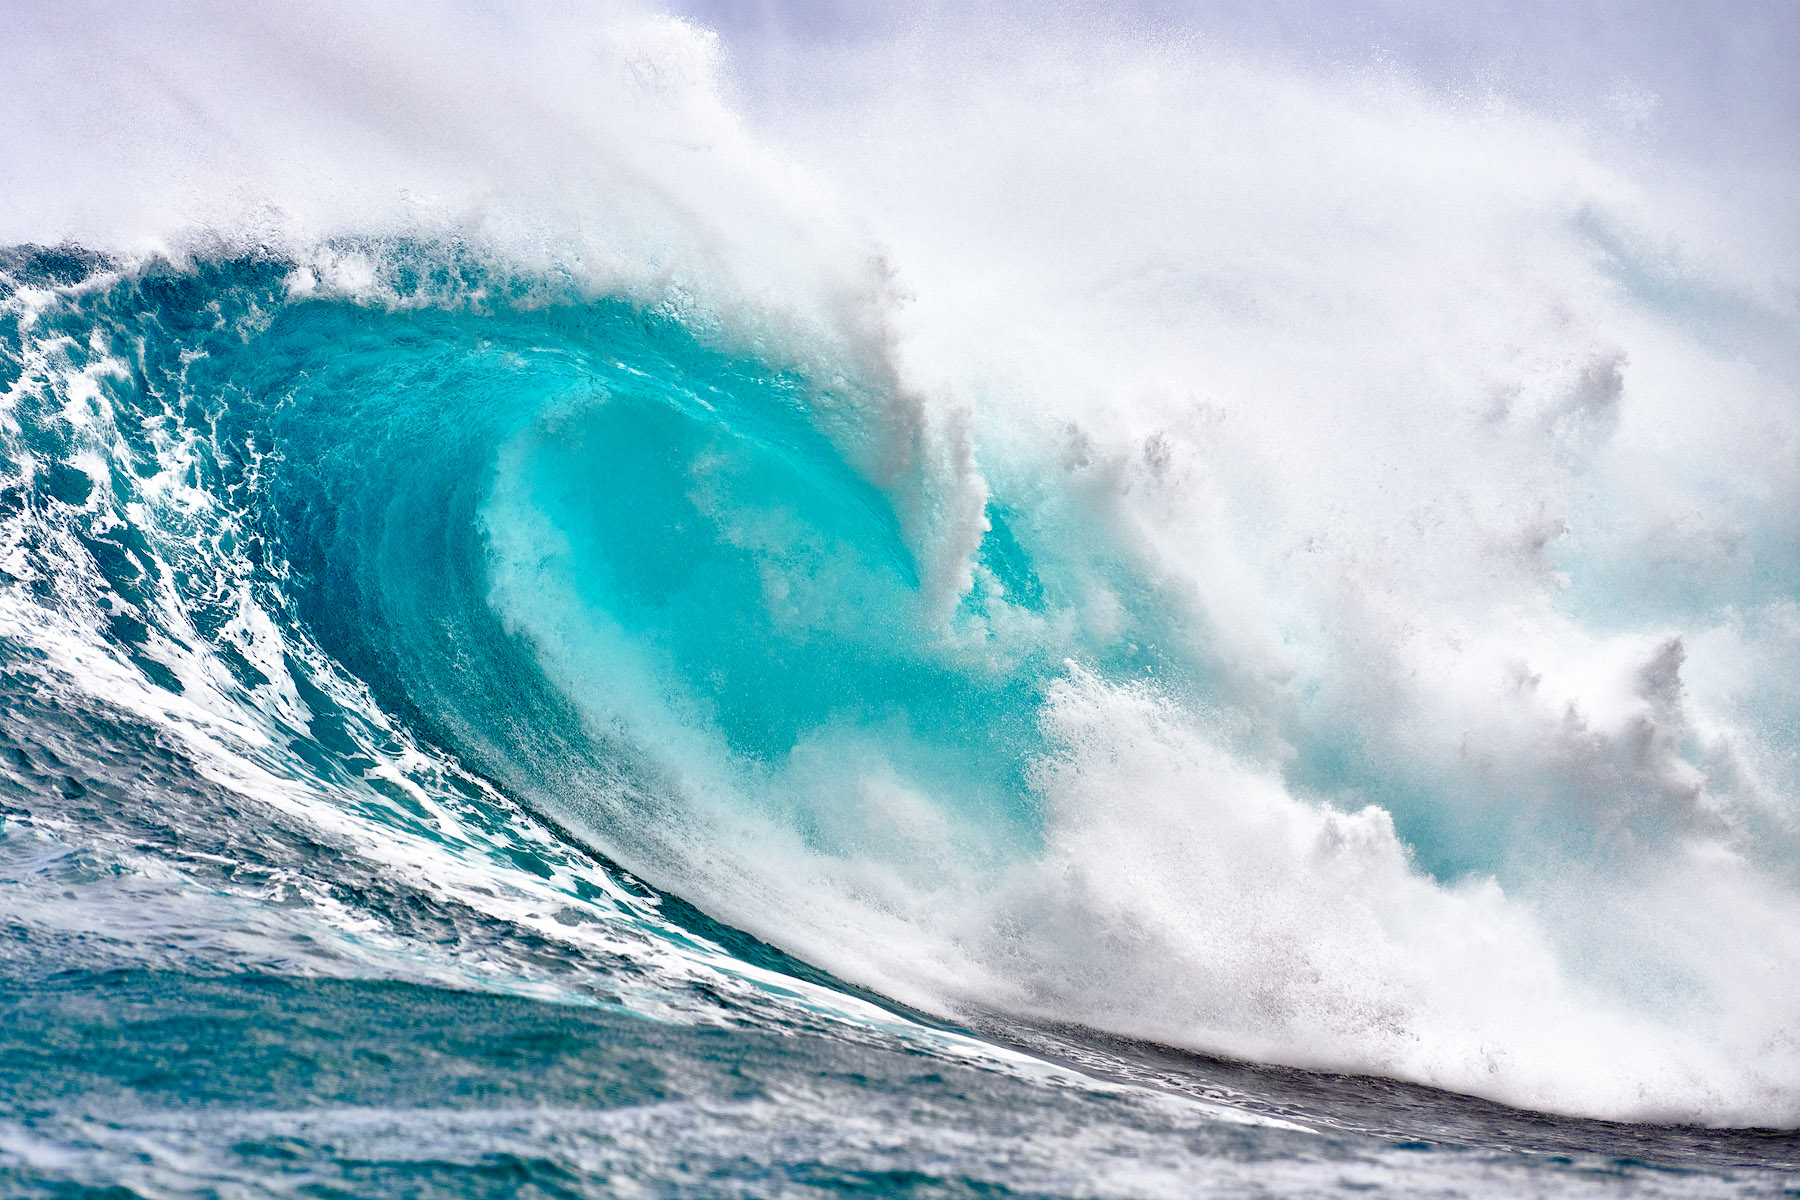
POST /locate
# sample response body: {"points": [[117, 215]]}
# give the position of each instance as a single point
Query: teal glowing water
{"points": [[411, 704], [1105, 602]]}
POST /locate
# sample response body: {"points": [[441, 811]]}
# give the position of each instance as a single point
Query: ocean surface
{"points": [[1091, 617]]}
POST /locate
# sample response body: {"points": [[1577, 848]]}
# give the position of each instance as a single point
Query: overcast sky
{"points": [[1720, 79]]}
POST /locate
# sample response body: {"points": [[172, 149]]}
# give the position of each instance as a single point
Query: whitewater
{"points": [[603, 601]]}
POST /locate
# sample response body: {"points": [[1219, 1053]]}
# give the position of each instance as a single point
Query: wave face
{"points": [[1332, 611]]}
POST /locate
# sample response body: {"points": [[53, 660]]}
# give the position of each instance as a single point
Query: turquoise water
{"points": [[487, 742]]}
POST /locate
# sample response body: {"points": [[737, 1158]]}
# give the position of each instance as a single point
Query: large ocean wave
{"points": [[1290, 569]]}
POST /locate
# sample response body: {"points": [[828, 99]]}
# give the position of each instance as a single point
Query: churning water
{"points": [[1082, 615]]}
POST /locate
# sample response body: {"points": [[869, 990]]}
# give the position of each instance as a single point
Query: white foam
{"points": [[1462, 440]]}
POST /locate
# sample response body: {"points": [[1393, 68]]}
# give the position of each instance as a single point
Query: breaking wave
{"points": [[1289, 569]]}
